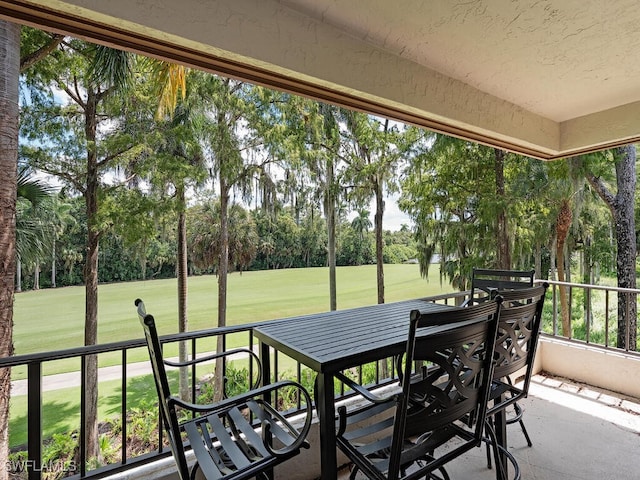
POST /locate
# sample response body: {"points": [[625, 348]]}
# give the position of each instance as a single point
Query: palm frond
{"points": [[171, 81], [32, 189], [111, 68]]}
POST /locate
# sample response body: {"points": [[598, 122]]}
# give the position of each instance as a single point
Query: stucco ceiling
{"points": [[558, 59], [546, 78]]}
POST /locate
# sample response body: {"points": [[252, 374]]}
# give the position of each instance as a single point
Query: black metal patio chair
{"points": [[392, 438], [485, 280], [515, 349], [241, 437]]}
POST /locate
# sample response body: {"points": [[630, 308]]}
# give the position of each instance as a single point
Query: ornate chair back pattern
{"points": [[485, 281], [519, 329], [448, 401]]}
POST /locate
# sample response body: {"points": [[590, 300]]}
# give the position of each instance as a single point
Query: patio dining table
{"points": [[333, 341]]}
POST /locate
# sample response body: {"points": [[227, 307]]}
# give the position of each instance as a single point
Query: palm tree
{"points": [[10, 58], [12, 66], [180, 162], [60, 218], [361, 223], [33, 223]]}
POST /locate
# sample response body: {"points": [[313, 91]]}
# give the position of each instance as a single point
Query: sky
{"points": [[393, 217]]}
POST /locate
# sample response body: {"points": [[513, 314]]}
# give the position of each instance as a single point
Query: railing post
{"points": [[606, 318], [123, 408], [83, 416], [555, 311], [627, 323], [34, 420]]}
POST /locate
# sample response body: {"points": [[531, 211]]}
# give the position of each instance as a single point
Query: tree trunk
{"points": [[90, 275], [36, 277], [621, 206], [379, 241], [53, 265], [143, 259], [562, 228], [587, 278], [626, 245], [331, 230], [18, 275], [10, 60], [384, 365], [504, 252], [538, 260], [182, 290], [223, 270], [553, 274]]}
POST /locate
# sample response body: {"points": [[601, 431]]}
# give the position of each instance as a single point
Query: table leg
{"points": [[500, 420], [327, 414], [265, 360]]}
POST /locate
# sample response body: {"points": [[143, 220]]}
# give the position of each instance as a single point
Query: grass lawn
{"points": [[53, 319], [61, 408]]}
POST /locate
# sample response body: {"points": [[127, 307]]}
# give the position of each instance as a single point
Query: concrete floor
{"points": [[578, 432]]}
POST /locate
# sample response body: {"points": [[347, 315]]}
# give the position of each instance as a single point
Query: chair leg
{"points": [[525, 433], [501, 474], [518, 417], [488, 446]]}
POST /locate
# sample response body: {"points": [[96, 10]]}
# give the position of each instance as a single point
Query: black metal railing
{"points": [[593, 314], [33, 463], [202, 342]]}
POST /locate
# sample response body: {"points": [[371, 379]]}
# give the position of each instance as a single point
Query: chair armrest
{"points": [[231, 401], [213, 356], [366, 393], [240, 400], [207, 358], [300, 436]]}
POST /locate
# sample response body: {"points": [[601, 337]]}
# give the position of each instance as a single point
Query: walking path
{"points": [[72, 379]]}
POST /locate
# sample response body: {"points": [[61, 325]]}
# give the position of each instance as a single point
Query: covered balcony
{"points": [[544, 79], [583, 412]]}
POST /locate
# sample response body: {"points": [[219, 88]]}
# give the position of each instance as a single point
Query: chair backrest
{"points": [[518, 331], [167, 411], [455, 385], [484, 281]]}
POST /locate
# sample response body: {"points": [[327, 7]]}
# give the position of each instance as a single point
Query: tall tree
{"points": [[323, 157], [229, 137], [622, 205], [373, 157], [34, 223], [450, 192], [91, 77], [503, 257], [14, 61], [10, 61], [311, 148], [179, 165]]}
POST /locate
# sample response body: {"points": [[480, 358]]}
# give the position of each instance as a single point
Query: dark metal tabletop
{"points": [[332, 341]]}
